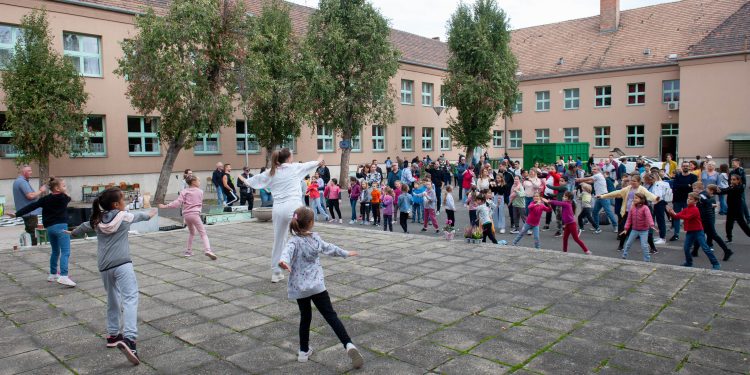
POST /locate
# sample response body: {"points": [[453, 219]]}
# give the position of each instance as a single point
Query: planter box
{"points": [[262, 213]]}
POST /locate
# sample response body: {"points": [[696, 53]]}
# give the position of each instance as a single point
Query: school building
{"points": [[672, 78]]}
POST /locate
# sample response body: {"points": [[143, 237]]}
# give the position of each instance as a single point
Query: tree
{"points": [[270, 83], [481, 80], [354, 60], [180, 66], [44, 96]]}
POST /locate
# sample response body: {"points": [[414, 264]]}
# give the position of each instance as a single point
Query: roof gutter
{"points": [[662, 65], [722, 54], [422, 65], [99, 6]]}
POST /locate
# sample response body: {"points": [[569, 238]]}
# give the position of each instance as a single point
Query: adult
{"points": [[621, 169], [283, 179], [377, 167], [532, 186], [374, 176], [508, 177], [266, 198], [483, 181], [216, 177], [670, 166], [517, 170], [478, 166], [388, 163], [627, 193], [407, 176], [739, 171], [394, 174], [660, 188], [610, 166], [590, 164], [23, 195], [682, 185], [599, 182], [246, 192], [695, 169], [183, 185], [460, 169], [436, 177], [228, 185], [324, 173], [710, 176]]}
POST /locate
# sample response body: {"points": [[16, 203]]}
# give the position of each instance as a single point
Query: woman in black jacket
{"points": [[734, 210]]}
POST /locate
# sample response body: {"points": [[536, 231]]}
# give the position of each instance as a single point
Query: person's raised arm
{"points": [[260, 181], [333, 250]]}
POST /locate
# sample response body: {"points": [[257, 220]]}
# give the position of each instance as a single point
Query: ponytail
{"points": [[54, 183], [301, 222], [104, 202], [279, 157]]}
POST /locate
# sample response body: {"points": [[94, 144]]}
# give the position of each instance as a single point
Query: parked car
{"points": [[630, 162]]}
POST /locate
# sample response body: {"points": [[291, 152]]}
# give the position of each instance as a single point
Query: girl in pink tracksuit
{"points": [[191, 200], [570, 228], [638, 224]]}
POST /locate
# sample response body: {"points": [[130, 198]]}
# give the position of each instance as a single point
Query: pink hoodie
{"points": [[639, 218], [191, 200]]}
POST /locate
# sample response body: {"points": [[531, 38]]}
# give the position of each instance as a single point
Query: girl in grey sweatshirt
{"points": [[301, 257]]}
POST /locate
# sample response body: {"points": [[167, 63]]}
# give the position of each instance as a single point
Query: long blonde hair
{"points": [[277, 158]]}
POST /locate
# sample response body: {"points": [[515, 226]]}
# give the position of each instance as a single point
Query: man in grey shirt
{"points": [[600, 188], [23, 195]]}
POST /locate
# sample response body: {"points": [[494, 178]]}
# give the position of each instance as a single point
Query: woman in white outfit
{"points": [[284, 180]]}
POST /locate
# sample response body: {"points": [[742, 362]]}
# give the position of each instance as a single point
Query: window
{"points": [[636, 137], [570, 135], [497, 138], [572, 98], [636, 93], [90, 142], [378, 138], [518, 105], [427, 134], [357, 140], [603, 96], [542, 135], [207, 144], [8, 37], [84, 52], [325, 138], [246, 143], [442, 96], [291, 144], [7, 150], [601, 136], [143, 136], [427, 94], [445, 139], [542, 101], [670, 130], [671, 91], [406, 91], [407, 138], [515, 138]]}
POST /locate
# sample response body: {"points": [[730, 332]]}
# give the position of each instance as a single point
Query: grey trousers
{"points": [[122, 300]]}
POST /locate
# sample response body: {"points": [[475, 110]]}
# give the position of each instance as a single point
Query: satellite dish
{"points": [[438, 110]]}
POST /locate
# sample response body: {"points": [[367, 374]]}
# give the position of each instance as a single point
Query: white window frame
{"points": [[544, 101], [602, 136], [407, 138], [245, 138], [84, 137], [604, 96], [639, 93], [378, 138], [210, 144], [84, 55], [428, 138], [407, 92], [542, 135], [326, 139], [671, 90], [518, 105], [445, 139], [572, 99], [427, 89], [515, 139], [15, 34], [571, 135], [497, 138], [143, 136], [632, 133]]}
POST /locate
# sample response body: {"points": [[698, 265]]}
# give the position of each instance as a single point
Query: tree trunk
{"points": [[43, 171], [269, 152], [469, 155], [173, 150], [345, 153]]}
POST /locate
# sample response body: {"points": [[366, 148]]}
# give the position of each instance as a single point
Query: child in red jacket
{"points": [[694, 231]]}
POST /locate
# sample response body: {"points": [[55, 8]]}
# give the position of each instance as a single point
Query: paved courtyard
{"points": [[414, 304]]}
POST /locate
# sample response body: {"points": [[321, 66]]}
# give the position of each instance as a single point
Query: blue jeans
{"points": [[498, 213], [220, 194], [353, 202], [700, 237], [606, 205], [60, 243], [723, 204], [678, 206], [527, 227], [264, 197], [643, 234], [528, 201], [417, 212], [318, 208], [122, 295], [660, 211]]}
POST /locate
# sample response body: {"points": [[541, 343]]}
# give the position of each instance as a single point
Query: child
{"points": [[301, 257], [418, 202], [536, 208], [638, 223], [405, 206], [471, 204], [388, 209], [112, 224], [706, 206], [734, 206], [567, 209], [314, 193], [191, 200], [430, 199], [693, 231], [517, 204], [332, 193], [586, 200], [449, 204], [499, 191], [396, 190], [364, 202], [55, 220], [354, 191], [375, 203], [484, 215]]}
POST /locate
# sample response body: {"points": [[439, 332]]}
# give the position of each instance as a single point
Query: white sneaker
{"points": [[502, 231], [355, 356], [528, 233], [51, 278], [64, 280], [660, 241], [580, 231], [302, 356], [351, 222], [341, 221], [276, 277]]}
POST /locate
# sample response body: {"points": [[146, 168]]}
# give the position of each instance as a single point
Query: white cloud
{"points": [[430, 17]]}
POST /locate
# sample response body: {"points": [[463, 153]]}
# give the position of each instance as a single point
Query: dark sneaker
{"points": [[113, 340], [558, 234], [674, 238], [127, 347], [727, 255]]}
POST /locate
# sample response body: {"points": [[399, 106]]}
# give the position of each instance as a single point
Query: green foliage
{"points": [[481, 72], [270, 82], [353, 61], [44, 96]]}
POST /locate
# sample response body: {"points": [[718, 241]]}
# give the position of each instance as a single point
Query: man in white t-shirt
{"points": [[600, 187]]}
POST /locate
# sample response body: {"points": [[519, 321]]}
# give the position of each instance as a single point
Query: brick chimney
{"points": [[609, 15]]}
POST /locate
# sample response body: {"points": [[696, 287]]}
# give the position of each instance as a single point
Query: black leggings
{"points": [[586, 214], [323, 302], [388, 222], [334, 204], [487, 232], [402, 218], [375, 207], [451, 216], [710, 230], [364, 211], [737, 217]]}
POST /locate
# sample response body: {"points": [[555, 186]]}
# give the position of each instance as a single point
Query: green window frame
{"points": [[571, 135], [442, 96], [602, 136], [407, 90], [357, 140], [7, 150], [290, 143], [637, 93], [427, 89], [497, 138], [515, 139], [445, 139], [542, 135], [325, 139], [427, 138], [244, 137], [9, 35], [207, 144], [518, 105], [602, 96], [91, 142], [670, 90], [378, 138], [85, 52], [670, 129], [143, 136], [542, 101], [572, 99], [407, 138], [636, 136]]}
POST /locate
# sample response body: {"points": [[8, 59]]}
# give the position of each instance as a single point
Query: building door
{"points": [[668, 144]]}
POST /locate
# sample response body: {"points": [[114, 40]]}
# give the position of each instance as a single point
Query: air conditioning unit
{"points": [[673, 106]]}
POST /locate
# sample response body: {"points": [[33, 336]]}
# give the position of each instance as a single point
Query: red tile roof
{"points": [[733, 35]]}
